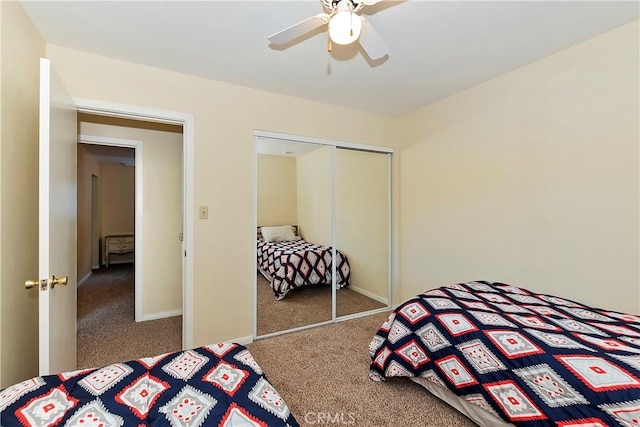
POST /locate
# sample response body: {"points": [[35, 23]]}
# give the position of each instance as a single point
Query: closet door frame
{"points": [[268, 135]]}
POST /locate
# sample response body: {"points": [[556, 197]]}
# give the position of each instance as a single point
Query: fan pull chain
{"points": [[329, 47]]}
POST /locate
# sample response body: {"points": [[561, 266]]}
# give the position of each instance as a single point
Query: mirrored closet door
{"points": [[322, 232], [362, 228], [294, 234]]}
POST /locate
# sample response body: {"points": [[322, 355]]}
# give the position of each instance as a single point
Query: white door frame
{"points": [[188, 162]]}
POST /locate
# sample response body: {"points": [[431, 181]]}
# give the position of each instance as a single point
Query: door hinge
{"points": [[181, 237]]}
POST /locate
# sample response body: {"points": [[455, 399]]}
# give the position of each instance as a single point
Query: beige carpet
{"points": [[107, 330], [321, 372], [305, 306], [325, 370]]}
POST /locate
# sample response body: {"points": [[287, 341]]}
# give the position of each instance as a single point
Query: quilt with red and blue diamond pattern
{"points": [[530, 359], [213, 385]]}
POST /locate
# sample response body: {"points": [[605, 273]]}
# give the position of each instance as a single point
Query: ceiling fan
{"points": [[345, 27]]}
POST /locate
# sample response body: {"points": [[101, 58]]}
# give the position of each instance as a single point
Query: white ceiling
{"points": [[435, 48]]}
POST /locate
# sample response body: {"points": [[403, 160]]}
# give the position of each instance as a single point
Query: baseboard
{"points": [[95, 267], [85, 278], [243, 340], [368, 294], [161, 315]]}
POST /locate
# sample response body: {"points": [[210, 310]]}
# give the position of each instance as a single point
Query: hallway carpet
{"points": [[107, 330]]}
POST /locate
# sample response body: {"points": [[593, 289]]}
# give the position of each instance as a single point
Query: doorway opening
{"points": [[131, 304]]}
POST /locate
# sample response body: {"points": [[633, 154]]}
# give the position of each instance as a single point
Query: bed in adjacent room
{"points": [[504, 355], [289, 262], [213, 385]]}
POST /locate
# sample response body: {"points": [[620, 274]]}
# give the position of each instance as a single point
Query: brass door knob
{"points": [[29, 284], [62, 281]]}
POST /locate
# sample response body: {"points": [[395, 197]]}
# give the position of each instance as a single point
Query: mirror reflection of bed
{"points": [[282, 308], [322, 194]]}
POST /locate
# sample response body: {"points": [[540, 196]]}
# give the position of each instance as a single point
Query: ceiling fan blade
{"points": [[371, 42], [370, 2], [299, 29]]}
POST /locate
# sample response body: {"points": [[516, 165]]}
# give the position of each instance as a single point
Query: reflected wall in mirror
{"points": [[362, 228], [294, 188]]}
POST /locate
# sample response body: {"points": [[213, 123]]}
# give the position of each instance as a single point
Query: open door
{"points": [[57, 225]]}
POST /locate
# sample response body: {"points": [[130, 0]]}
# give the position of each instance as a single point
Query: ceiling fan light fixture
{"points": [[344, 27]]}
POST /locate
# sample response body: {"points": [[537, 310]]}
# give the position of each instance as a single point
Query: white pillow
{"points": [[278, 234]]}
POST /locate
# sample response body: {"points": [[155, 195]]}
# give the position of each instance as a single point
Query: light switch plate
{"points": [[204, 212]]}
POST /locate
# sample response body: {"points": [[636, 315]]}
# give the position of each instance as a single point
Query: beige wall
{"points": [[277, 190], [117, 205], [225, 117], [362, 218], [162, 207], [88, 166], [315, 195], [530, 178], [20, 49], [117, 199]]}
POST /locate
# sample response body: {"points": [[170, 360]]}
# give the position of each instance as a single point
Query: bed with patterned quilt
{"points": [[505, 355], [213, 385], [292, 263]]}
